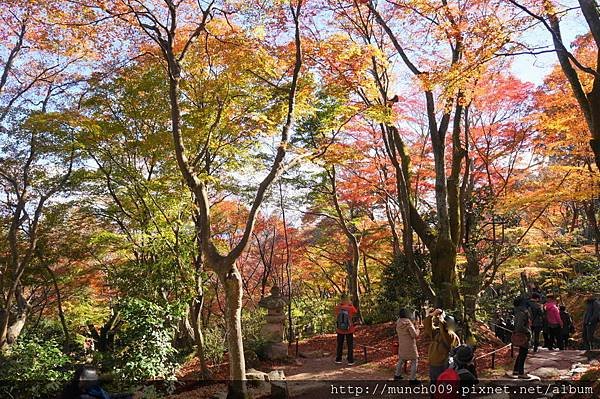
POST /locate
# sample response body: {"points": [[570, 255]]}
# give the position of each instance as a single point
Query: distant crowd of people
{"points": [[536, 315]]}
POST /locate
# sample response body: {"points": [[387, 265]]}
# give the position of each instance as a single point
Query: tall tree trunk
{"points": [[198, 302], [61, 314], [398, 155], [470, 286], [443, 276], [196, 322], [589, 103], [472, 281], [590, 212], [288, 267], [233, 287], [353, 266]]}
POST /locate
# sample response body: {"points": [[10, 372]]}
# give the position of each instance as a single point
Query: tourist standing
{"points": [[345, 327], [591, 317], [407, 345], [521, 336], [555, 323], [567, 329], [537, 319], [439, 329]]}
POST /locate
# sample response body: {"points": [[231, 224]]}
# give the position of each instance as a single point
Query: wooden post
{"points": [[493, 360], [365, 353]]}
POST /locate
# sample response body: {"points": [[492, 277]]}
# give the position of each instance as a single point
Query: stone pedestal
{"points": [[277, 351], [273, 329]]}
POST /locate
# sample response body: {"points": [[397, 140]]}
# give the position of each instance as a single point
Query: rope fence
{"points": [[493, 354]]}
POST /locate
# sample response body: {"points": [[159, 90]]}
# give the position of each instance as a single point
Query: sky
{"points": [[534, 68]]}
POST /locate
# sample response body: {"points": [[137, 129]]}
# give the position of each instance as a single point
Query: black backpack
{"points": [[343, 320]]}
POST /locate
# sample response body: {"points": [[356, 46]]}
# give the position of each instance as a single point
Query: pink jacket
{"points": [[552, 313]]}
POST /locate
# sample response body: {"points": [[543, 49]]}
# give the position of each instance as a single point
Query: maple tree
{"points": [[174, 41], [564, 145], [576, 70], [40, 76], [446, 85]]}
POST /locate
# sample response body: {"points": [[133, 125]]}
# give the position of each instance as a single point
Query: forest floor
{"points": [[315, 360], [315, 363]]}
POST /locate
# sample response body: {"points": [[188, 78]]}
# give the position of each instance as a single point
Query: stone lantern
{"points": [[273, 329]]}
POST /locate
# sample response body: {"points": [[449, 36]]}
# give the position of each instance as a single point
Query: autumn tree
{"points": [[563, 145], [576, 70], [29, 186], [499, 141], [41, 76], [177, 32], [467, 39]]}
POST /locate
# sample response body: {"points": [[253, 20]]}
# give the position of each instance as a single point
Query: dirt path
{"points": [[310, 378], [325, 368], [544, 364], [552, 365]]}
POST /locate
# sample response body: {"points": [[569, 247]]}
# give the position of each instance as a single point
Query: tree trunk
{"points": [[367, 277], [232, 284], [443, 272], [353, 265], [61, 314], [398, 155], [15, 328], [470, 285], [105, 336], [196, 322], [589, 9], [5, 320], [589, 103], [590, 212]]}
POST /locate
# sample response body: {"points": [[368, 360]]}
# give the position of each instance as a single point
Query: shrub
{"points": [[252, 322], [313, 315], [214, 345], [398, 289], [588, 277], [32, 368], [144, 348]]}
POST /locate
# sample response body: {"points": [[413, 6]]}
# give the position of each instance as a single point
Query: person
{"points": [[407, 345], [567, 329], [500, 328], [345, 328], [510, 325], [522, 322], [537, 319], [555, 323], [462, 374], [591, 317], [463, 363], [439, 329], [85, 385]]}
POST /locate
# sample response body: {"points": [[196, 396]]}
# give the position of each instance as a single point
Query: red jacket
{"points": [[351, 312], [552, 313]]}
